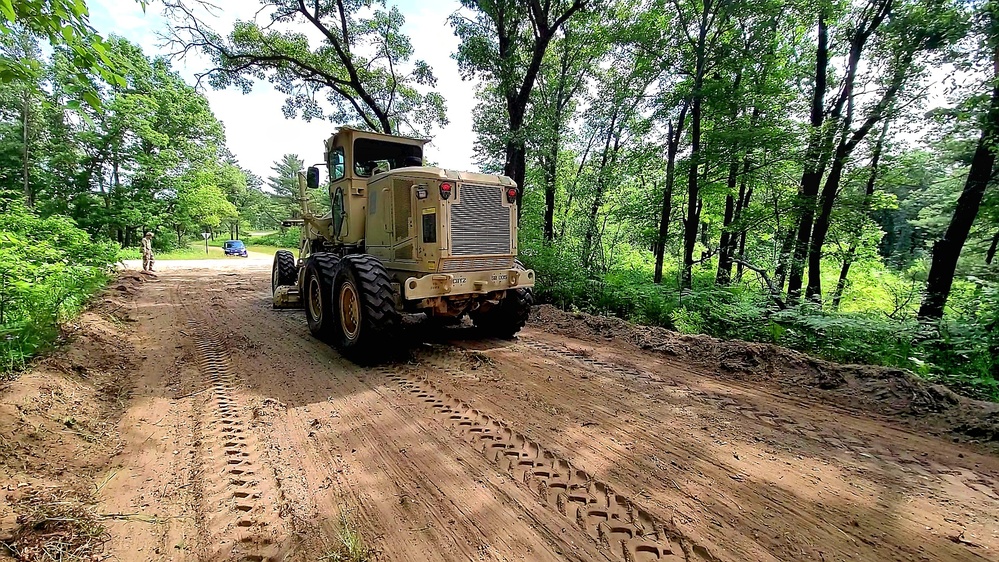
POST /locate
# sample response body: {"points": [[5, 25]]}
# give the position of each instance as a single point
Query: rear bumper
{"points": [[467, 283]]}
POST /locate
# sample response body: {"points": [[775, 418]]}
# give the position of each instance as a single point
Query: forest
{"points": [[818, 175]]}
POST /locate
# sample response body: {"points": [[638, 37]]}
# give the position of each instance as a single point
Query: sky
{"points": [[257, 131]]}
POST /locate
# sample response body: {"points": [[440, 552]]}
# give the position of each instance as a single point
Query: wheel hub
{"points": [[350, 312], [315, 299]]}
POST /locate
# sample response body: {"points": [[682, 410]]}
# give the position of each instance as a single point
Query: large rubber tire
{"points": [[507, 318], [365, 307], [317, 296], [284, 271]]}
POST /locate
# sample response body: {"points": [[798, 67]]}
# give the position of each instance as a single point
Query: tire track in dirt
{"points": [[616, 523], [237, 515], [829, 435], [368, 450], [339, 437], [884, 481]]}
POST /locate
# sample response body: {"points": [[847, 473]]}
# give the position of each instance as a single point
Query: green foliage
{"points": [[284, 185], [961, 353], [286, 238], [65, 24], [356, 65], [48, 269]]}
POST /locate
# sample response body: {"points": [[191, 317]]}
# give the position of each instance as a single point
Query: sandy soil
{"points": [[220, 430]]}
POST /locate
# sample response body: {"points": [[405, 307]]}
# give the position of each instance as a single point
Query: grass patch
{"points": [[196, 251], [52, 527], [270, 250], [349, 547]]}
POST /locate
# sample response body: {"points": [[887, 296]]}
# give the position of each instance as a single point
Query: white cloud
{"points": [[256, 129]]}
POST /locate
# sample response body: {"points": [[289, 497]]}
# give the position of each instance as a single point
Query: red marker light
{"points": [[445, 191], [511, 195]]}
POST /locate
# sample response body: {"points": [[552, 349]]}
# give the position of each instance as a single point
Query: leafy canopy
{"points": [[359, 72]]}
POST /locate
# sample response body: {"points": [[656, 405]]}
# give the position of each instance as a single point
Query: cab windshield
{"points": [[376, 156], [234, 244]]}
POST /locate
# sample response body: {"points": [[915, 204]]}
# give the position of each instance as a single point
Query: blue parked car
{"points": [[234, 248]]}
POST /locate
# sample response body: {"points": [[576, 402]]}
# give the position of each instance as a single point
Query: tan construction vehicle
{"points": [[401, 239]]}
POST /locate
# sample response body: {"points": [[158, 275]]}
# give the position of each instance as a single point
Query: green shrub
{"points": [[687, 321], [962, 352], [48, 270], [285, 239]]}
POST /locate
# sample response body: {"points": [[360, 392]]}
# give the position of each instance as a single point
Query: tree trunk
{"points": [[693, 195], [745, 195], [742, 256], [730, 239], [784, 259], [844, 272], [516, 158], [726, 244], [591, 225], [811, 177], [991, 254], [821, 227], [947, 250], [673, 146], [733, 242], [29, 198], [872, 180], [812, 241], [550, 170], [725, 251], [518, 96]]}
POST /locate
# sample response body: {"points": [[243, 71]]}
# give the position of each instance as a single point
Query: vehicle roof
{"points": [[354, 133]]}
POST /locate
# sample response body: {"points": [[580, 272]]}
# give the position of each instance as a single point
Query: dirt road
{"points": [[244, 438]]}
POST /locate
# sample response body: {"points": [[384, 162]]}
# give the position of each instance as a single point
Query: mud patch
{"points": [[893, 392]]}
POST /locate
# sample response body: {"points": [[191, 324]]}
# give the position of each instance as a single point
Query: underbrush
{"points": [[49, 268], [961, 352]]}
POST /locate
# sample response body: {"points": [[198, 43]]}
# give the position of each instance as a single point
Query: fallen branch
{"points": [[705, 256], [774, 292]]}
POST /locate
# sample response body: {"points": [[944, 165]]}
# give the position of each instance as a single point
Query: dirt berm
{"points": [[879, 391]]}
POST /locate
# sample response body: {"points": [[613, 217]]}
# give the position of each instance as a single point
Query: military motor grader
{"points": [[401, 239]]}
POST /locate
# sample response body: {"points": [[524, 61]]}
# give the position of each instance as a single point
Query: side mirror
{"points": [[312, 177]]}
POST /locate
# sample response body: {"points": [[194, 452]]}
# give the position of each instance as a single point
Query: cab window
{"points": [[336, 164], [375, 156]]}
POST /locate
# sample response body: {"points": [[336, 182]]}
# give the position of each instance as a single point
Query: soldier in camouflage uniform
{"points": [[147, 253]]}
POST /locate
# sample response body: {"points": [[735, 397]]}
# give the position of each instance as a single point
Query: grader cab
{"points": [[402, 238]]}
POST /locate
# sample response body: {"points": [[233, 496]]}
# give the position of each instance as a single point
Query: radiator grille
{"points": [[403, 210], [455, 265], [480, 224]]}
